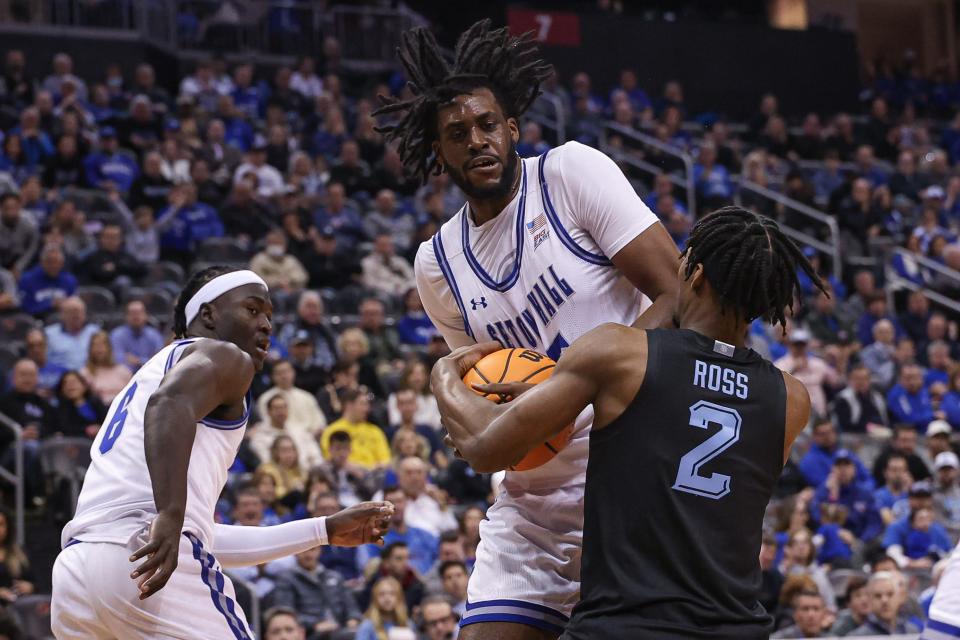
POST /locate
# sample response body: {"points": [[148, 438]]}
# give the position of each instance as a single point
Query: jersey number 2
{"points": [[115, 426], [689, 479]]}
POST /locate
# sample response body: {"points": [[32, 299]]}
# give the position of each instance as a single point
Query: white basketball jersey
{"points": [[539, 275], [116, 502]]}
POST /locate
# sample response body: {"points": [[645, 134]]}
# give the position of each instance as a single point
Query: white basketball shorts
{"points": [[528, 561], [95, 598], [944, 621]]}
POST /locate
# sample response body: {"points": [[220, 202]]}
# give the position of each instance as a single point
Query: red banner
{"points": [[549, 27]]}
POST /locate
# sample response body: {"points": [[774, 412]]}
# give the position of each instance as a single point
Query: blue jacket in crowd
{"points": [[863, 518], [189, 226], [912, 408], [118, 168], [815, 467], [38, 290]]}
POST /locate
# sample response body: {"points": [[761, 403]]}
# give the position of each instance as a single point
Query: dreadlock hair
{"points": [[484, 57], [749, 262], [193, 285]]}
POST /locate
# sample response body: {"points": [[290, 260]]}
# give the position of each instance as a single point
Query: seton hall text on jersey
{"points": [[544, 298]]}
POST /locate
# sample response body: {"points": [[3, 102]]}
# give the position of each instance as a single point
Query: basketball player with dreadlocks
{"points": [[544, 250], [690, 434], [158, 466]]}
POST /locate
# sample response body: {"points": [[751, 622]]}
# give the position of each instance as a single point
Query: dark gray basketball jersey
{"points": [[676, 490]]}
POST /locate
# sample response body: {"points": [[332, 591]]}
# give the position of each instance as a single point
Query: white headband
{"points": [[219, 286]]}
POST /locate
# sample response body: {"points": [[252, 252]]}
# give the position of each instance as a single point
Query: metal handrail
{"points": [[560, 126], [806, 210], [16, 478], [933, 265], [896, 282], [545, 122], [670, 150]]}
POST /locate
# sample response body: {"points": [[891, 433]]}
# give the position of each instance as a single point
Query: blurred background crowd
{"points": [[115, 186]]}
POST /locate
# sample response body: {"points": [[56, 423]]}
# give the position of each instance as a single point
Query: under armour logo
{"points": [[482, 302]]}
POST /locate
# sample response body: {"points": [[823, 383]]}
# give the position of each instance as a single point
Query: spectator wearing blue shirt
{"points": [[49, 374], [712, 180], [186, 223], [867, 166], [834, 541], [639, 99], [908, 401], [815, 466], [44, 288], [247, 96], [109, 165], [898, 537], [828, 179], [423, 546], [414, 327], [237, 131], [806, 284], [931, 227], [341, 217], [662, 186], [678, 223], [343, 560], [877, 310], [891, 498], [906, 266], [950, 405], [531, 142], [581, 90], [938, 364], [135, 341], [840, 487], [69, 339], [34, 142], [925, 538]]}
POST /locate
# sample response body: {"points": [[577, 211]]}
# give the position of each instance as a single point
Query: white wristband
{"points": [[322, 530]]}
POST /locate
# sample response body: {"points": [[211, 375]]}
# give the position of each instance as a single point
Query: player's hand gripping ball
{"points": [[518, 366]]}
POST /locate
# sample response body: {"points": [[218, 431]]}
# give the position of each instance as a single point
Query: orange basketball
{"points": [[519, 365]]}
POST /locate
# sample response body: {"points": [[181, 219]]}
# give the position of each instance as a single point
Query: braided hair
{"points": [[749, 262], [484, 57], [193, 285]]}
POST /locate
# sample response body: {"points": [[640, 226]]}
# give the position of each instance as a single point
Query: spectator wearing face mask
{"points": [[282, 272]]}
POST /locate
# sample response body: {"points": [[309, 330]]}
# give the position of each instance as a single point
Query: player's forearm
{"points": [[659, 314], [169, 430], [237, 546]]}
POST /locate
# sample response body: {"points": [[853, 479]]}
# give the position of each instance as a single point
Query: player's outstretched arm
{"points": [[238, 546], [210, 375], [798, 412], [492, 437]]}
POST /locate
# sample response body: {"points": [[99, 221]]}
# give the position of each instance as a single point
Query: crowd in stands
{"points": [[113, 188]]}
